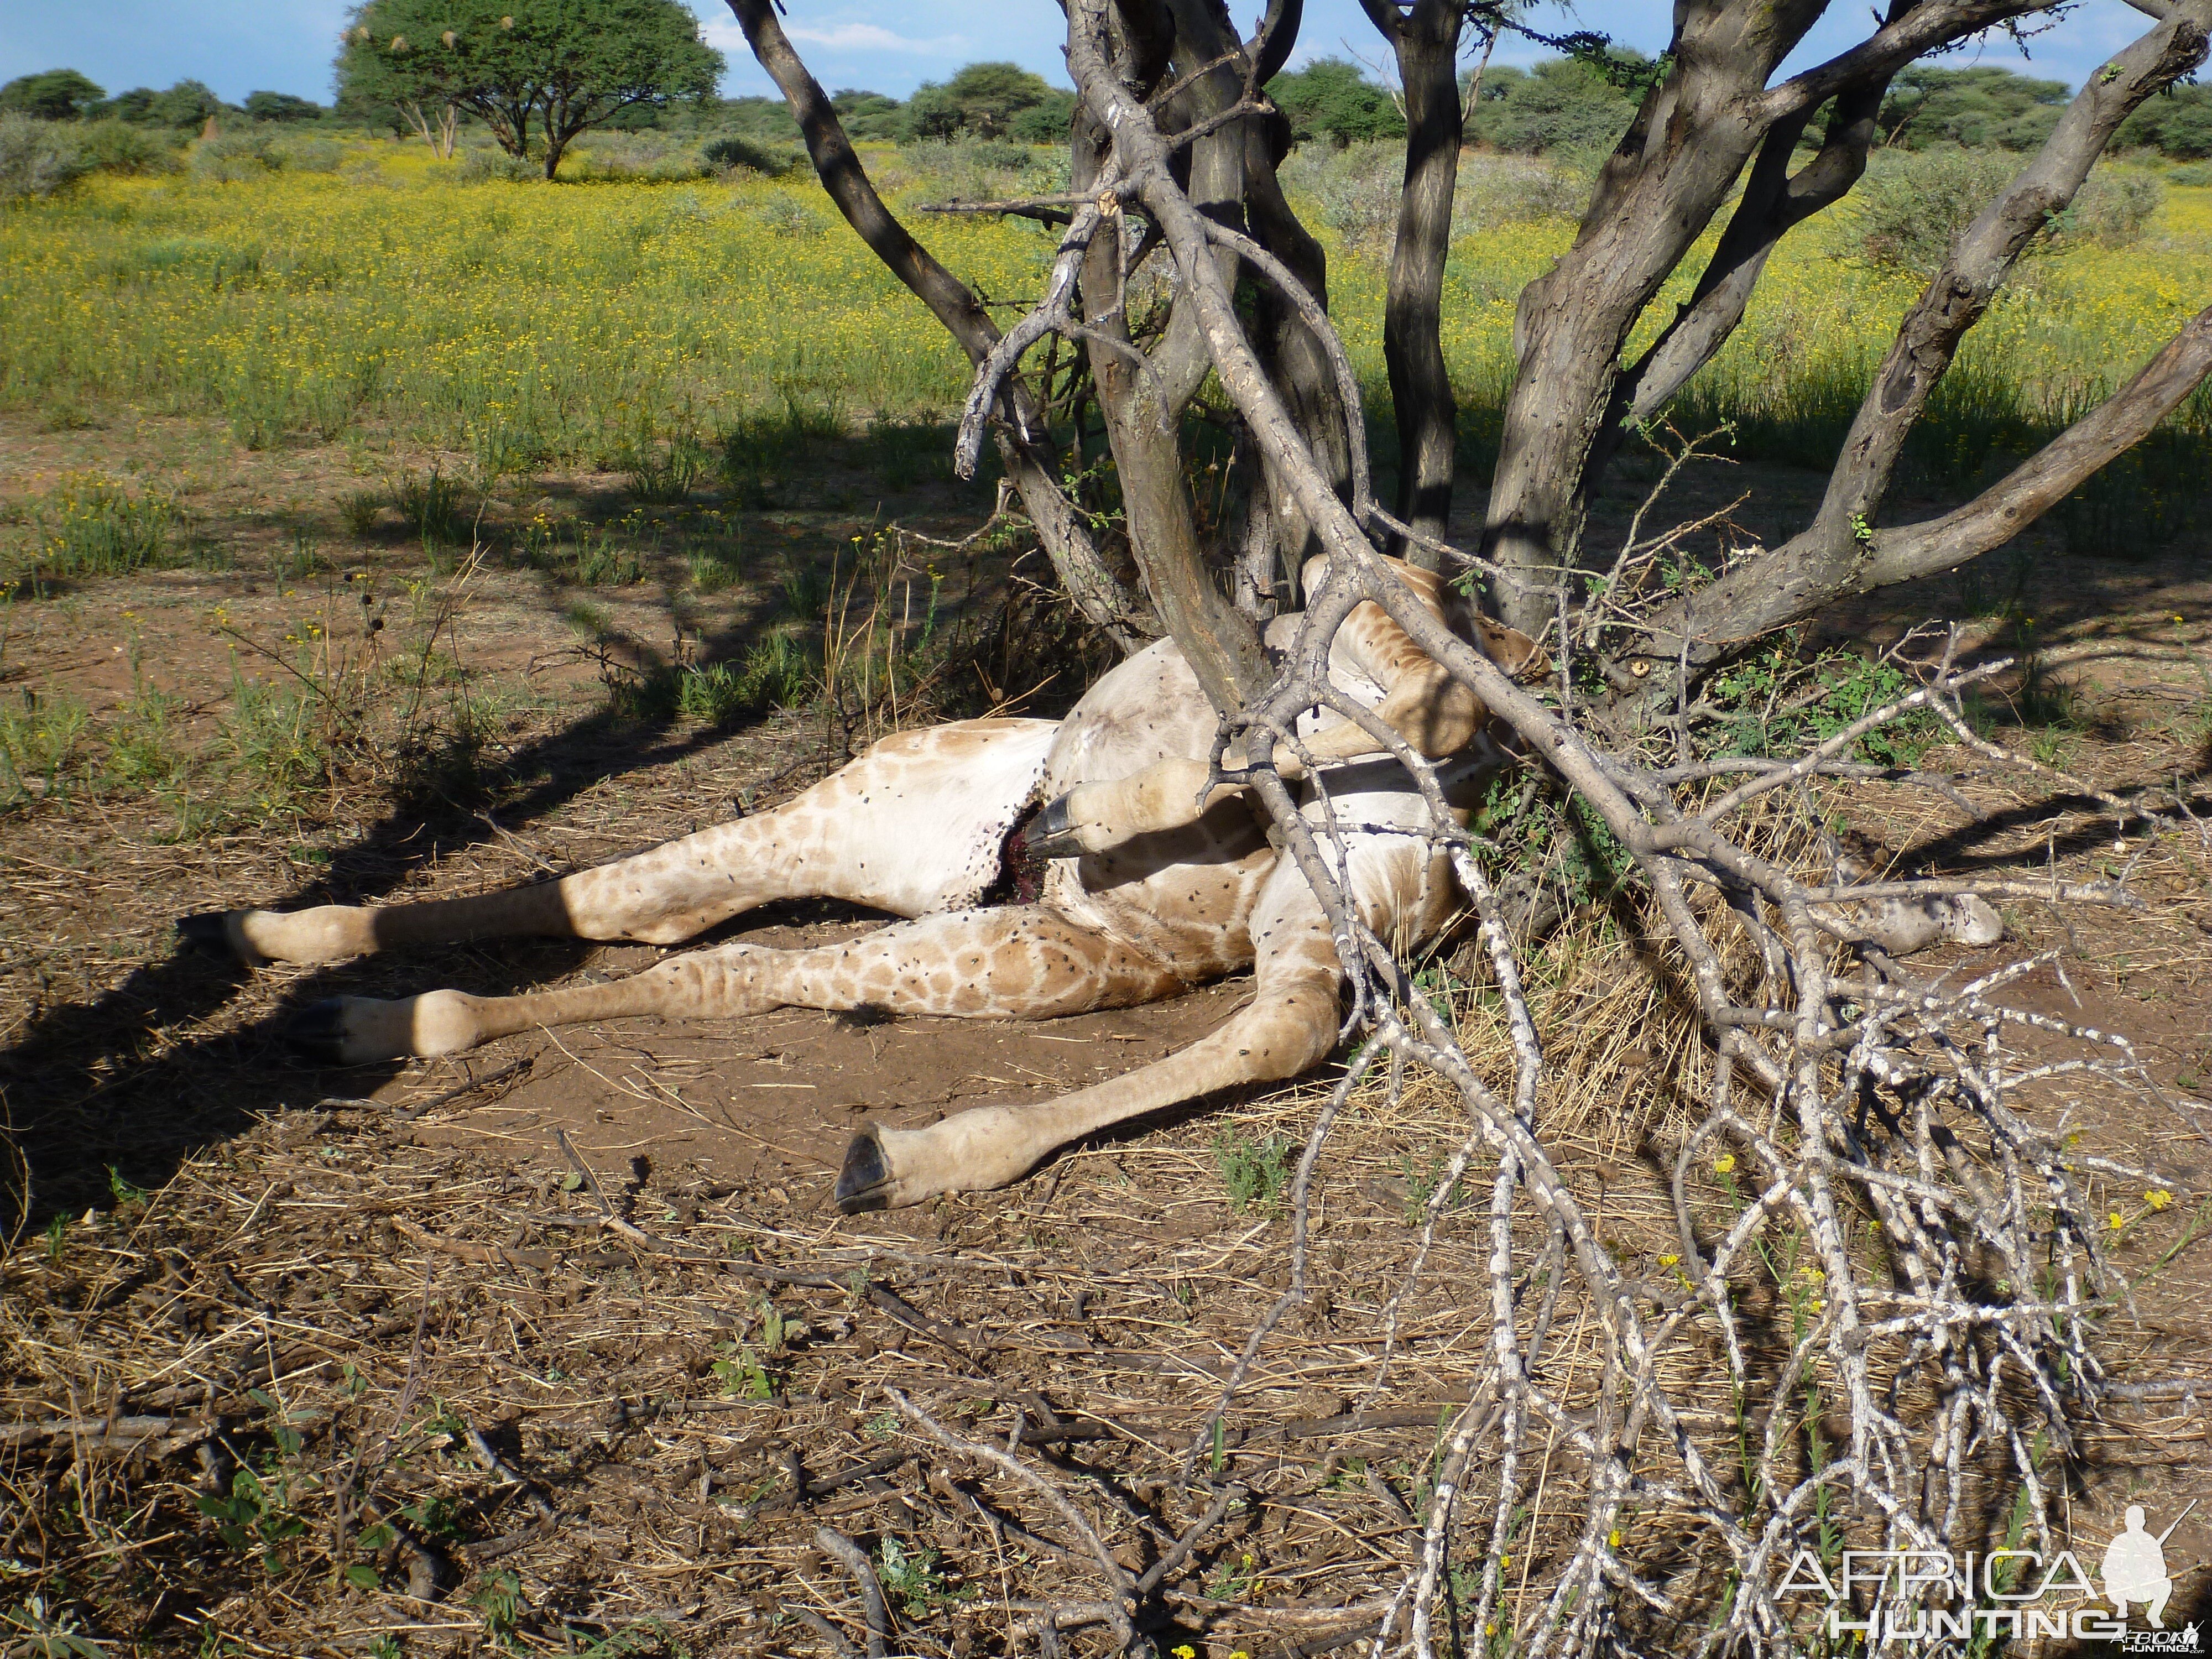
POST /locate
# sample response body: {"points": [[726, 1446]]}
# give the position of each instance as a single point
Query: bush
{"points": [[982, 169], [2177, 122], [1356, 188], [38, 158], [731, 152], [2111, 207], [486, 165], [783, 216], [234, 157], [1913, 204], [1565, 105], [311, 155], [1515, 190], [60, 94], [654, 155], [1332, 101], [112, 146]]}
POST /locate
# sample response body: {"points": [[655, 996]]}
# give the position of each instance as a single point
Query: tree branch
{"points": [[1102, 597], [1841, 552]]}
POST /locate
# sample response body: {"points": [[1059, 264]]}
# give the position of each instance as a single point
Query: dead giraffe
{"points": [[1143, 896]]}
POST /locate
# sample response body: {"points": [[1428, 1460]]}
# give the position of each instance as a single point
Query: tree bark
{"points": [[1426, 43], [1671, 172], [1142, 414], [1842, 551], [1102, 597]]}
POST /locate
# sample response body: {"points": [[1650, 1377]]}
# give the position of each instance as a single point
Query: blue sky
{"points": [[239, 47]]}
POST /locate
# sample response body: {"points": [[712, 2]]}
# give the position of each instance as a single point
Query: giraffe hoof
{"points": [[316, 1032], [212, 932], [1051, 833], [865, 1183]]}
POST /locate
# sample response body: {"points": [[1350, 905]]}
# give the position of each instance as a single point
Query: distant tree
{"points": [[1335, 101], [1045, 123], [759, 120], [135, 105], [1563, 104], [527, 69], [187, 104], [982, 101], [59, 94], [866, 115], [280, 107], [1981, 108], [2178, 122]]}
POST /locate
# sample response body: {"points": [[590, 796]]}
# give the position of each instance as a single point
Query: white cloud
{"points": [[869, 37]]}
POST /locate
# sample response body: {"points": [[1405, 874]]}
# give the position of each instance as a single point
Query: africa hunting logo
{"points": [[2007, 1592]]}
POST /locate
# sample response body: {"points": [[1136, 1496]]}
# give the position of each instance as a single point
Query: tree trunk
{"points": [[1104, 600], [1426, 42]]}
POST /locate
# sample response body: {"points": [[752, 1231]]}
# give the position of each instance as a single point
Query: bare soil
{"points": [[474, 1412]]}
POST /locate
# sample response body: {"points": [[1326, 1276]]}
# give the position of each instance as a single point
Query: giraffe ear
{"points": [[1511, 650]]}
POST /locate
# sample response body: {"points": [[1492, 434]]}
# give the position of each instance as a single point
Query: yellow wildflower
{"points": [[1724, 1164]]}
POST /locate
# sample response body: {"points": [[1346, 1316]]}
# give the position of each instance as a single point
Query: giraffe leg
{"points": [[1023, 961], [1289, 1026], [912, 827]]}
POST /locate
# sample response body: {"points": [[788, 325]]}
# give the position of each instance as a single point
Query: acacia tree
{"points": [[528, 68], [1959, 1383]]}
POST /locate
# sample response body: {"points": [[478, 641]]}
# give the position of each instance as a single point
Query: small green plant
{"points": [[500, 1600], [430, 502], [255, 1517], [1235, 1578], [127, 1197], [361, 509], [1255, 1171], [90, 526], [276, 738], [665, 472], [589, 555], [56, 1237], [913, 1576], [38, 1631], [743, 1377], [39, 737], [1421, 1186]]}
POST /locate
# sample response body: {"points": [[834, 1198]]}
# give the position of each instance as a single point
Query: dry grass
{"points": [[341, 1383]]}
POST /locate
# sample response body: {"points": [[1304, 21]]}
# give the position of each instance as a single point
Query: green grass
{"points": [[641, 326], [90, 525]]}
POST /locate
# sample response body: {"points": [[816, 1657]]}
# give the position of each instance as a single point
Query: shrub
{"points": [[488, 165], [38, 158], [2111, 207], [311, 155], [1514, 189], [121, 147], [235, 157], [982, 169], [1331, 99], [91, 526], [786, 216], [1913, 204], [730, 152], [1356, 188], [1566, 104], [653, 155]]}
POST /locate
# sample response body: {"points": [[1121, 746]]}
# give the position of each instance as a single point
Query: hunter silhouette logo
{"points": [[1915, 1596], [2135, 1567]]}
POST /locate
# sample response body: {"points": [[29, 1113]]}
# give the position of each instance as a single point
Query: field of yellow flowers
{"points": [[529, 325]]}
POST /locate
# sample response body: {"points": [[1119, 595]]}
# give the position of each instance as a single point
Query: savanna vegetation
{"points": [[488, 471]]}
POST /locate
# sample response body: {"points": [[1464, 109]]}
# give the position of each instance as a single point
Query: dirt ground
{"points": [[310, 1361]]}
